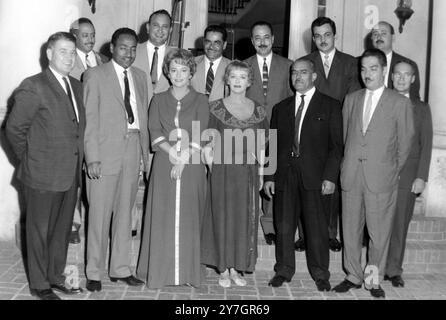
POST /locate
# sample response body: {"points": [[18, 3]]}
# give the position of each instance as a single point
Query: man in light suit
{"points": [[309, 137], [378, 134], [83, 30], [383, 35], [208, 78], [46, 131], [337, 75], [116, 140], [414, 175], [271, 84]]}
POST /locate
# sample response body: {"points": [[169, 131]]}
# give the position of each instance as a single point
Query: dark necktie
{"points": [[127, 105], [209, 79], [297, 125], [154, 69], [265, 77], [87, 62], [67, 86]]}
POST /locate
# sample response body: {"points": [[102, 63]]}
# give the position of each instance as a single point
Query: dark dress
{"points": [[230, 225], [170, 244]]}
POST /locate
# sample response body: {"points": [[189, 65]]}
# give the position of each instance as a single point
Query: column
{"points": [[302, 14]]}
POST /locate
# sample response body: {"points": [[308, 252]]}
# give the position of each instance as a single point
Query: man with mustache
{"points": [[378, 135], [208, 78], [116, 141], [271, 84], [383, 36], [337, 75]]}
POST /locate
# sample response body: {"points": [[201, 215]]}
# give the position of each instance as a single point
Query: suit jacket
{"points": [[44, 132], [418, 162], [320, 143], [106, 128], [278, 82], [198, 81], [79, 68], [386, 144], [343, 77], [415, 87]]}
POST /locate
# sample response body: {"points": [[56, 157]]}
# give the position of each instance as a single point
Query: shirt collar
{"points": [[269, 57], [151, 46], [119, 69], [58, 75], [82, 54], [308, 95], [215, 63], [377, 92], [330, 54]]}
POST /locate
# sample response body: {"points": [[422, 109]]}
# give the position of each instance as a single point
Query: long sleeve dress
{"points": [[170, 244]]}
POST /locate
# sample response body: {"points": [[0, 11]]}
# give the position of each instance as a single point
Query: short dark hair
{"points": [[408, 62], [392, 29], [303, 59], [58, 36], [377, 54], [180, 56], [320, 22], [75, 25], [262, 23], [122, 31], [162, 11], [217, 28]]}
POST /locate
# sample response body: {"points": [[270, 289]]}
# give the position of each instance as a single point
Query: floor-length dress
{"points": [[170, 244], [230, 224]]}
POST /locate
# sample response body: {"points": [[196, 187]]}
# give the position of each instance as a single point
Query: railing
{"points": [[226, 6]]}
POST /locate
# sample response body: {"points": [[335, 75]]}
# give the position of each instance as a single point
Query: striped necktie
{"points": [[326, 65], [265, 77], [70, 96], [209, 79], [154, 69], [87, 62], [297, 125]]}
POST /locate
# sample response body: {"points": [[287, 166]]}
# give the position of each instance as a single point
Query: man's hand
{"points": [[177, 170], [328, 187], [94, 170], [418, 186], [269, 188]]}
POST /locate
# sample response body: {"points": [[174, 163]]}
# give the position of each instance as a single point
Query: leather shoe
{"points": [[277, 281], [323, 285], [299, 245], [377, 292], [397, 281], [130, 280], [346, 285], [62, 289], [270, 238], [94, 285], [334, 245], [45, 294]]}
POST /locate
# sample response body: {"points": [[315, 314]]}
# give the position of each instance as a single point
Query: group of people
{"points": [[180, 119]]}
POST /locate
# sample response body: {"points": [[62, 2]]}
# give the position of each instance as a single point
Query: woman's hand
{"points": [[177, 170]]}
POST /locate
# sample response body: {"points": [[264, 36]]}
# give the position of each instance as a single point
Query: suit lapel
{"points": [[255, 68], [360, 98], [201, 75], [335, 66], [379, 110], [314, 103], [112, 77], [79, 63], [61, 93], [138, 90], [218, 79]]}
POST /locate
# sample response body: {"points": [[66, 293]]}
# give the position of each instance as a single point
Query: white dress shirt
{"points": [[91, 58], [161, 53], [330, 57], [59, 78], [375, 99], [307, 99], [120, 73], [260, 61], [207, 63]]}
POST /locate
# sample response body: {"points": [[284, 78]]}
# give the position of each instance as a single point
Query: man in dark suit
{"points": [[271, 84], [116, 141], [414, 175], [337, 75], [309, 139], [383, 35], [378, 132], [46, 130]]}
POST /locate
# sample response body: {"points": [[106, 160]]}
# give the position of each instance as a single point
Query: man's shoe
{"points": [[94, 285], [346, 285], [62, 289], [377, 292], [334, 245], [130, 280], [397, 281], [277, 281], [45, 294], [74, 237], [323, 285], [270, 238], [299, 245]]}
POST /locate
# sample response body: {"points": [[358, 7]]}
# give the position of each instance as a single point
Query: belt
{"points": [[132, 130]]}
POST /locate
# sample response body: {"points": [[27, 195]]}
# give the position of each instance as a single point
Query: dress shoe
{"points": [[60, 287], [130, 280], [74, 237], [45, 294], [334, 245], [270, 238], [224, 280], [346, 285], [377, 292], [323, 285], [397, 281], [277, 281], [299, 245], [239, 281], [94, 285]]}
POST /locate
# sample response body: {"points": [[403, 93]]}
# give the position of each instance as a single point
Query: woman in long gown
{"points": [[170, 245], [229, 236]]}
